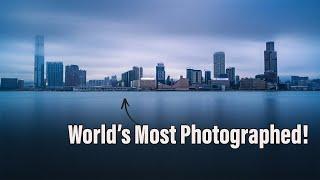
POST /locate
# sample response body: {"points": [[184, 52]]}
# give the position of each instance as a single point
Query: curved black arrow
{"points": [[125, 105]]}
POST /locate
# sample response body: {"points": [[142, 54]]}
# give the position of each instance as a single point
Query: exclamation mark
{"points": [[305, 134]]}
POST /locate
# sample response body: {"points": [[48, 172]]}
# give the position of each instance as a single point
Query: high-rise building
{"points": [[83, 77], [136, 72], [107, 82], [160, 74], [114, 81], [131, 75], [207, 76], [231, 72], [39, 62], [55, 74], [189, 75], [128, 77], [237, 81], [270, 63], [141, 72], [72, 76], [194, 76], [218, 64]]}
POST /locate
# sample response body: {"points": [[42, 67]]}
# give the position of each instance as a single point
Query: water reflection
{"points": [[34, 144]]}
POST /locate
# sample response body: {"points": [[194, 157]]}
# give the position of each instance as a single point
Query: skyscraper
{"points": [[72, 76], [189, 75], [114, 81], [218, 64], [207, 76], [128, 77], [131, 75], [270, 63], [55, 74], [136, 72], [231, 72], [194, 76], [83, 77], [39, 62], [160, 74], [141, 72]]}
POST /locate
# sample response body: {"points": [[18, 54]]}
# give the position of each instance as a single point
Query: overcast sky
{"points": [[107, 38]]}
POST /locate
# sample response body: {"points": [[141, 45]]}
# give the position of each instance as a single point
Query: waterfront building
{"points": [[83, 77], [207, 76], [144, 84], [96, 83], [299, 81], [220, 83], [39, 62], [181, 84], [55, 74], [218, 64], [20, 84], [160, 74], [270, 63], [136, 71], [231, 73], [189, 75], [237, 80], [252, 84], [194, 76], [9, 83], [72, 76], [141, 72], [114, 81]]}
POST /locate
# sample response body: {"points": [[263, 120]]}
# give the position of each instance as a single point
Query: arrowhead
{"points": [[124, 103]]}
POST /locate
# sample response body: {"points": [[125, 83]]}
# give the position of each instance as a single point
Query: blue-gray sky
{"points": [[109, 37]]}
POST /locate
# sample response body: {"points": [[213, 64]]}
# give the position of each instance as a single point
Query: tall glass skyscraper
{"points": [[160, 74], [218, 64], [39, 62], [270, 63], [55, 74]]}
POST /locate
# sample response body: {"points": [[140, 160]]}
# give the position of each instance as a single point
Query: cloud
{"points": [[109, 37]]}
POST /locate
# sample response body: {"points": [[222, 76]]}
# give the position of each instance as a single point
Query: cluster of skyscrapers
{"points": [[53, 75], [74, 77], [222, 77]]}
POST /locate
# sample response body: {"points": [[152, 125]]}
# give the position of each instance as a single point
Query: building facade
{"points": [[218, 64], [83, 77], [194, 76], [9, 83], [252, 84], [72, 76], [39, 62], [270, 63], [231, 72], [207, 77], [55, 74], [160, 74]]}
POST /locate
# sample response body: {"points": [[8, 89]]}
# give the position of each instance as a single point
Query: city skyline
{"points": [[137, 33]]}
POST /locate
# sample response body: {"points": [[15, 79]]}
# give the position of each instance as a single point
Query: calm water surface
{"points": [[34, 137]]}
